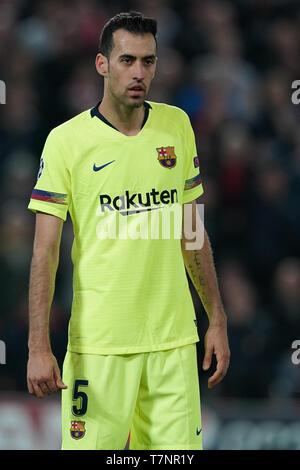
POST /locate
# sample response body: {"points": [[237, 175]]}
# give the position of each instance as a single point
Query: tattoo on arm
{"points": [[196, 273]]}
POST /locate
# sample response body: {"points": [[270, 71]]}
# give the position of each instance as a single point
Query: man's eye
{"points": [[126, 59]]}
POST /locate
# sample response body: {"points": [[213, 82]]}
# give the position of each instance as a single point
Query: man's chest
{"points": [[115, 168]]}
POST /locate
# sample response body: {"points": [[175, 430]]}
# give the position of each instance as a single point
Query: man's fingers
{"points": [[219, 374], [207, 357], [51, 383], [60, 383], [47, 387], [41, 388], [215, 379], [44, 387], [30, 387], [53, 387], [33, 388], [50, 386], [37, 391], [58, 380], [43, 375]]}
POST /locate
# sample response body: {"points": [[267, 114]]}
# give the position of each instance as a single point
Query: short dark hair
{"points": [[134, 22]]}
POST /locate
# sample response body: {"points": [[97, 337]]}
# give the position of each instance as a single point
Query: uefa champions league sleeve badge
{"points": [[41, 169]]}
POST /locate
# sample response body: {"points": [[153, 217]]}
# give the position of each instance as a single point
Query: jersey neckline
{"points": [[95, 112]]}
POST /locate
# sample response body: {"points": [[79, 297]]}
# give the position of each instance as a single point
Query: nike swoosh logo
{"points": [[97, 168], [198, 432]]}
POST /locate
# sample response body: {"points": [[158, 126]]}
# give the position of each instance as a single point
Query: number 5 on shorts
{"points": [[83, 398]]}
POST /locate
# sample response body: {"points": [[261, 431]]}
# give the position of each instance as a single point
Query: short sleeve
{"points": [[192, 183], [51, 194]]}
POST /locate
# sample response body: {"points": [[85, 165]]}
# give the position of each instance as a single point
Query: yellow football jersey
{"points": [[124, 195]]}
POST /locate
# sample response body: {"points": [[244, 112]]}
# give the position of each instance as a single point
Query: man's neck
{"points": [[124, 118]]}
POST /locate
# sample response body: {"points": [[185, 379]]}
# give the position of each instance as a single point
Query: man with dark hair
{"points": [[120, 169], [133, 22]]}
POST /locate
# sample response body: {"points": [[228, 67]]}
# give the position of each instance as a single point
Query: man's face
{"points": [[131, 67]]}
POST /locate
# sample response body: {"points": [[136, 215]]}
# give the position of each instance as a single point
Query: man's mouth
{"points": [[136, 89]]}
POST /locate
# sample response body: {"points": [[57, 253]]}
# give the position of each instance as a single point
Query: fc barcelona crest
{"points": [[166, 156], [77, 429]]}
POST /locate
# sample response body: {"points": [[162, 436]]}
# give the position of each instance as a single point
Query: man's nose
{"points": [[138, 71]]}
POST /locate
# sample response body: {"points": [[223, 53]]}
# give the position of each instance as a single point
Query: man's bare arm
{"points": [[43, 375], [200, 266]]}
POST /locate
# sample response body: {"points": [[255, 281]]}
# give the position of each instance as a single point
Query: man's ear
{"points": [[101, 63]]}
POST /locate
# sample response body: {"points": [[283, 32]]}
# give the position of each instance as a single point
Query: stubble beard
{"points": [[125, 101], [130, 103]]}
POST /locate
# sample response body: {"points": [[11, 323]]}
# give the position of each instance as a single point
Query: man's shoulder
{"points": [[168, 109], [72, 125]]}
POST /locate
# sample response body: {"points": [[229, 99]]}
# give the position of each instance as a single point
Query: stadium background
{"points": [[230, 66]]}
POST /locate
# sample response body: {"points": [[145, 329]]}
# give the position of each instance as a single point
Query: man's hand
{"points": [[43, 374], [216, 342]]}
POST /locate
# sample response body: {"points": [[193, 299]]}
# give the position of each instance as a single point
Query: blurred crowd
{"points": [[230, 66]]}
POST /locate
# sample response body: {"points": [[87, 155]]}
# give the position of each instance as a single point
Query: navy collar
{"points": [[95, 112]]}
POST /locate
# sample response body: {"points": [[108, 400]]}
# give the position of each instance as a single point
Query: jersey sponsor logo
{"points": [[77, 429], [97, 168], [137, 202], [197, 431], [166, 157]]}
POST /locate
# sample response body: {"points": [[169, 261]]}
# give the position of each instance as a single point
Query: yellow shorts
{"points": [[154, 396]]}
